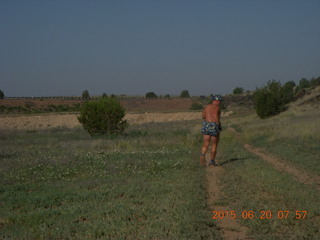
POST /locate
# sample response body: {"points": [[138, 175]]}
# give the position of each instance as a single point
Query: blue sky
{"points": [[62, 47]]}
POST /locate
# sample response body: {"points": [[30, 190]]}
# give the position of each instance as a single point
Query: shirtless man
{"points": [[211, 128]]}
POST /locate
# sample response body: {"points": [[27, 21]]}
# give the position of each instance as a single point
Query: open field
{"points": [[57, 182], [63, 105], [63, 184], [44, 121], [131, 104]]}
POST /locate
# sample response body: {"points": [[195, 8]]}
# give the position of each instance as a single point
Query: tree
{"points": [[304, 83], [104, 116], [268, 100], [288, 91], [315, 82], [238, 90], [185, 94], [104, 95], [85, 94], [151, 95], [1, 94]]}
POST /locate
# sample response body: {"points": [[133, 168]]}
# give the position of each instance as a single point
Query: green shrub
{"points": [[238, 90], [185, 94], [314, 82], [196, 106], [288, 91], [151, 95], [104, 116], [304, 83], [269, 101], [1, 94]]}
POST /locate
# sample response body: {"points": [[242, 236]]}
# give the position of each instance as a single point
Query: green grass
{"points": [[63, 184], [293, 136], [250, 184]]}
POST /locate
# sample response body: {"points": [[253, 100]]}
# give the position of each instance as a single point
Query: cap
{"points": [[216, 97]]}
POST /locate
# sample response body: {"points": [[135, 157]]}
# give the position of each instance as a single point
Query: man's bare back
{"points": [[212, 112]]}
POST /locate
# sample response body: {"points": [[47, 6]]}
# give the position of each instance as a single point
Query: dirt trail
{"points": [[230, 228], [282, 165]]}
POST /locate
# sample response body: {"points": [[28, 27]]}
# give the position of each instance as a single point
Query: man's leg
{"points": [[215, 141], [206, 142]]}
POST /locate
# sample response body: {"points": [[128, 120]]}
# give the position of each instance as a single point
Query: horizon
{"points": [[245, 92]]}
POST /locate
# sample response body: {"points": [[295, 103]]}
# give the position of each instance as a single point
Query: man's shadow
{"points": [[232, 160]]}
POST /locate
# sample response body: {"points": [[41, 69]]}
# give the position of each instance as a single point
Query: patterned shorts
{"points": [[210, 128]]}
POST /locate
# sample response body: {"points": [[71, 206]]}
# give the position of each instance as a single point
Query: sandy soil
{"points": [[70, 120]]}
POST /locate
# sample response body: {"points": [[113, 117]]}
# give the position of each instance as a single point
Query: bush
{"points": [[1, 95], [268, 101], [238, 90], [184, 94], [151, 95], [304, 83], [314, 82], [104, 116], [299, 92], [85, 94], [288, 91], [196, 106]]}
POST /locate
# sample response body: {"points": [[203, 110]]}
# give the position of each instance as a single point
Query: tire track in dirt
{"points": [[230, 228], [281, 165]]}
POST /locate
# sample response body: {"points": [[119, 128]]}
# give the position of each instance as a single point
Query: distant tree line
{"points": [[183, 94], [149, 95]]}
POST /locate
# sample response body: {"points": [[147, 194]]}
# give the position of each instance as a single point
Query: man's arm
{"points": [[204, 114]]}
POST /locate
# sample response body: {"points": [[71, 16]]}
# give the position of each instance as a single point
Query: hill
{"points": [[309, 100]]}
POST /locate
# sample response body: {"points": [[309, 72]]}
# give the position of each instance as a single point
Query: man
{"points": [[211, 128]]}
